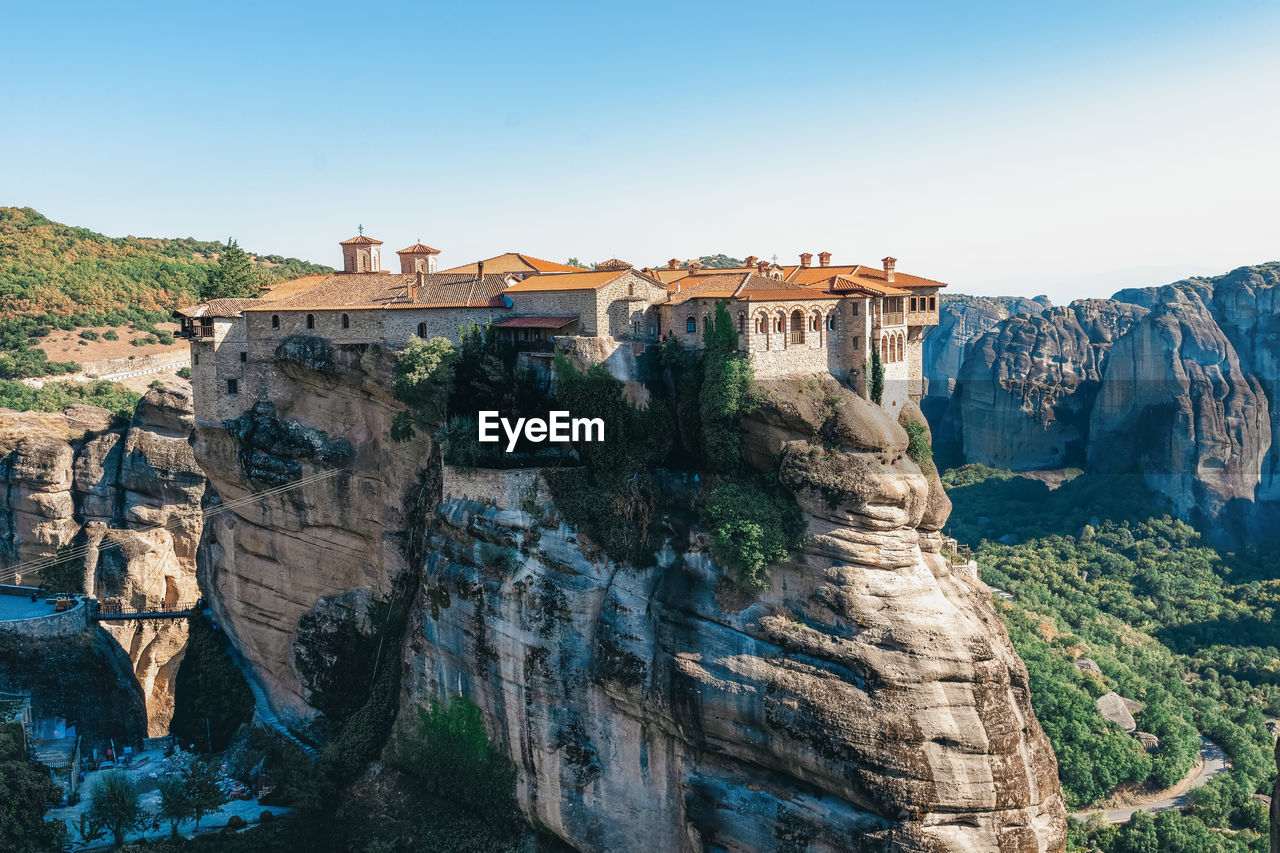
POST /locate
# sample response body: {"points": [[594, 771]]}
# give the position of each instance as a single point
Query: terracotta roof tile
{"points": [[514, 262], [418, 249], [361, 241], [385, 290], [565, 281]]}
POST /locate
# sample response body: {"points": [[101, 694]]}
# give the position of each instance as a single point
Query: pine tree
{"points": [[234, 277]]}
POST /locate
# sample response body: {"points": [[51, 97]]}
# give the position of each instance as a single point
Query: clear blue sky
{"points": [[1068, 148]]}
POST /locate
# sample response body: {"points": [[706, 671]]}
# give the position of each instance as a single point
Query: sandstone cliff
{"points": [[1027, 385], [961, 319], [71, 479], [1175, 384], [869, 700]]}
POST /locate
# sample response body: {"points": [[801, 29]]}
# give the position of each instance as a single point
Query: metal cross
{"points": [[360, 228]]}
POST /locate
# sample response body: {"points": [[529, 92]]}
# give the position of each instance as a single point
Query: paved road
{"points": [[1215, 762]]}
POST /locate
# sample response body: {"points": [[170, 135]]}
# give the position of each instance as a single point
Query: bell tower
{"points": [[418, 258], [361, 254]]}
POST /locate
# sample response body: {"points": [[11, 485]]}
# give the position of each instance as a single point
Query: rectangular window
{"points": [[244, 356], [233, 387], [933, 303], [691, 325], [195, 359], [854, 306]]}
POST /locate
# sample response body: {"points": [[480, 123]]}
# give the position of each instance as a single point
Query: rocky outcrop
{"points": [[1027, 385], [125, 497], [331, 518], [1175, 384], [1178, 408], [870, 700], [961, 319]]}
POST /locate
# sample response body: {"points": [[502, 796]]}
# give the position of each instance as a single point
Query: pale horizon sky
{"points": [[1005, 148]]}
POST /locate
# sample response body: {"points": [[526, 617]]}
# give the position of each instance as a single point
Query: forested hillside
{"points": [[58, 276], [1109, 593]]}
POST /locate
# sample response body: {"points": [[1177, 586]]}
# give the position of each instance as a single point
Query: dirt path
{"points": [[1213, 761]]}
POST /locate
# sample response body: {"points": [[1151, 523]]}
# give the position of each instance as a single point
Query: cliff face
{"points": [[1177, 405], [869, 701], [1175, 384], [1027, 385], [271, 561], [71, 480], [961, 319]]}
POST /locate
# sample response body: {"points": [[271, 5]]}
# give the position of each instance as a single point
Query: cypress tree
{"points": [[877, 376], [235, 276]]}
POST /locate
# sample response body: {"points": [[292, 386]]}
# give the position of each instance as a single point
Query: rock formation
{"points": [[72, 479], [1027, 385], [961, 319], [869, 700], [1174, 384], [1177, 407], [273, 560]]}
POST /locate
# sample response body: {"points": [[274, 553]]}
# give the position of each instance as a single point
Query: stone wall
{"points": [[62, 624]]}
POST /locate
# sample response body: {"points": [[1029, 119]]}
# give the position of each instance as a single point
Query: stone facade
{"points": [[788, 325]]}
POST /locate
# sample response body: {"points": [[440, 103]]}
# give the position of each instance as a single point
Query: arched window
{"points": [[691, 325], [797, 327], [361, 263], [311, 321], [884, 348], [275, 321], [778, 321], [831, 322], [422, 330], [346, 322], [762, 324]]}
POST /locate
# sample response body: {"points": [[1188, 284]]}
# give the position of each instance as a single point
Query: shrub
{"points": [[236, 822], [111, 335], [754, 524], [89, 334], [184, 372], [918, 449]]}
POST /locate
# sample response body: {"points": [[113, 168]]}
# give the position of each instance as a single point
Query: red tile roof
{"points": [[514, 262], [418, 249], [361, 241], [385, 290]]}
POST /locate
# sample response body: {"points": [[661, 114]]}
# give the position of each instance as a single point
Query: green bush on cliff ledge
{"points": [[754, 525]]}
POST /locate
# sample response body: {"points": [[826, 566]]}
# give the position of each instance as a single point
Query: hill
{"points": [[59, 276]]}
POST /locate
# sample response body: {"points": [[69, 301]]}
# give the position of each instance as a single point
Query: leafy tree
{"points": [[25, 788], [754, 525], [424, 381], [450, 757], [204, 789], [234, 277], [115, 807], [176, 803]]}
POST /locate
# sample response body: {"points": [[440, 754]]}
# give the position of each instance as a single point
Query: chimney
{"points": [[806, 258], [694, 266], [480, 271], [888, 267], [750, 261], [415, 285], [674, 263], [824, 259], [762, 267]]}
